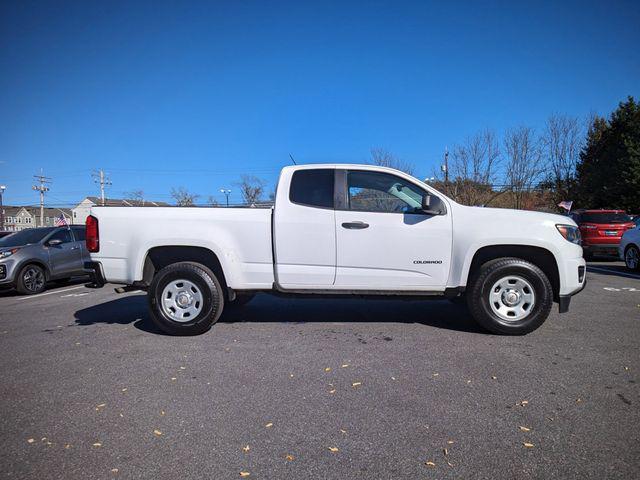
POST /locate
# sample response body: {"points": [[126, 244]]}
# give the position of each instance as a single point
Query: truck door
{"points": [[384, 239], [304, 230]]}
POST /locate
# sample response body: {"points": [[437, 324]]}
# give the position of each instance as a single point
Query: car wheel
{"points": [[510, 296], [632, 257], [31, 280], [185, 299]]}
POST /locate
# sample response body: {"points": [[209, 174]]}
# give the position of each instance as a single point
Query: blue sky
{"points": [[193, 94]]}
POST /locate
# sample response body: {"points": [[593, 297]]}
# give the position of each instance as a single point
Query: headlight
{"points": [[570, 233], [8, 253]]}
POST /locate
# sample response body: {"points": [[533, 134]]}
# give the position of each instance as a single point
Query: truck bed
{"points": [[243, 235]]}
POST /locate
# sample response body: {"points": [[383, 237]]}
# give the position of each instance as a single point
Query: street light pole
{"points": [[226, 192], [2, 189]]}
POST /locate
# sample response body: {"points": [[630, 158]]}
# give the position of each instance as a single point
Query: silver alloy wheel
{"points": [[181, 300], [512, 298], [33, 279], [631, 258]]}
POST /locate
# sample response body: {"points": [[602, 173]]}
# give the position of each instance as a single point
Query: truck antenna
{"points": [[291, 157]]}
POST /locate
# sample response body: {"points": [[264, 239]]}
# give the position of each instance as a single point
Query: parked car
{"points": [[340, 230], [31, 257], [601, 230], [629, 250]]}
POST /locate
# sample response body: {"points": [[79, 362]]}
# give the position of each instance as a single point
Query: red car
{"points": [[602, 230]]}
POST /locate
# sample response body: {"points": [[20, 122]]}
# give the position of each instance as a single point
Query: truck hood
{"points": [[512, 216]]}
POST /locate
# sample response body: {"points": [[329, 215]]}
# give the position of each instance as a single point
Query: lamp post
{"points": [[226, 192], [2, 189]]}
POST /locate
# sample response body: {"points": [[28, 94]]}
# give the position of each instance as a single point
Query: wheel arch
{"points": [[159, 257], [541, 257], [34, 261]]}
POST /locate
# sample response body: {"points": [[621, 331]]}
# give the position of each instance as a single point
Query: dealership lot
{"points": [[303, 388]]}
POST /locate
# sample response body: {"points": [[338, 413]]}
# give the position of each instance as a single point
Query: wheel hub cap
{"points": [[512, 298], [181, 300]]}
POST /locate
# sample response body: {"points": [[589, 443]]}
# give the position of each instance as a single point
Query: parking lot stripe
{"points": [[617, 272], [51, 293]]}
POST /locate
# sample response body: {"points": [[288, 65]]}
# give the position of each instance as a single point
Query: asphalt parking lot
{"points": [[300, 388]]}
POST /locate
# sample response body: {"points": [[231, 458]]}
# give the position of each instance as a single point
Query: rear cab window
{"points": [[313, 187]]}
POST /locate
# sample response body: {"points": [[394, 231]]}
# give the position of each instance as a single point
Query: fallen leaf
{"points": [[343, 431], [468, 381], [528, 445], [430, 464], [445, 451], [173, 379], [332, 391], [244, 474], [449, 463], [102, 405], [97, 444], [269, 425], [344, 365], [328, 369], [162, 413], [356, 384], [626, 368], [578, 400], [183, 368], [524, 429], [67, 446], [124, 389], [436, 374], [450, 442], [157, 432], [289, 457], [333, 449], [493, 377], [291, 375], [77, 343], [246, 449], [114, 470], [393, 378], [31, 440]]}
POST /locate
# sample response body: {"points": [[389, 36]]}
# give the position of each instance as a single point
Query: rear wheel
{"points": [[510, 296], [632, 257], [31, 280], [185, 298]]}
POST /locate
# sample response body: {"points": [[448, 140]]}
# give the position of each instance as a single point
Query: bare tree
{"points": [[183, 197], [384, 158], [211, 201], [562, 142], [136, 197], [473, 167], [251, 189], [524, 166]]}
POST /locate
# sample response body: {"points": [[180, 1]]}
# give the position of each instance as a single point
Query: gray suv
{"points": [[32, 257]]}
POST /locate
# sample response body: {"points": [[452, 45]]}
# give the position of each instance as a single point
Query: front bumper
{"points": [[94, 269], [602, 248], [8, 270]]}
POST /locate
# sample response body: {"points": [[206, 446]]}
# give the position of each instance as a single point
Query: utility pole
{"points": [[2, 189], [227, 192], [445, 166], [100, 178], [42, 188]]}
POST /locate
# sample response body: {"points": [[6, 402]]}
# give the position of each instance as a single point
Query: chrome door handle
{"points": [[355, 225]]}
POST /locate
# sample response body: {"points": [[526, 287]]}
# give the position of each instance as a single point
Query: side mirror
{"points": [[431, 206], [54, 242]]}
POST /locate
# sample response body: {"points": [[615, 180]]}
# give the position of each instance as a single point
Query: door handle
{"points": [[75, 248], [355, 225]]}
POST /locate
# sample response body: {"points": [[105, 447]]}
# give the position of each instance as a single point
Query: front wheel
{"points": [[632, 257], [185, 299], [510, 296], [31, 280]]}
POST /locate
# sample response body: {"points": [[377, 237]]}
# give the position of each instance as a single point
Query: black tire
{"points": [[32, 279], [241, 300], [208, 288], [629, 250], [481, 284]]}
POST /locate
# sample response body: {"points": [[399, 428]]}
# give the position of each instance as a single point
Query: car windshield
{"points": [[25, 237], [605, 218]]}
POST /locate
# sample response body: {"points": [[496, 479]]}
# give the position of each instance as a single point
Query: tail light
{"points": [[93, 237]]}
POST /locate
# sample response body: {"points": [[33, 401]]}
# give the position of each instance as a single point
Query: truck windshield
{"points": [[605, 218], [25, 237]]}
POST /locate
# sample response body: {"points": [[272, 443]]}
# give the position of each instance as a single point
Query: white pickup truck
{"points": [[340, 230]]}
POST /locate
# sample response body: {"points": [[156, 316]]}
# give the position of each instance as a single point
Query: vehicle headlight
{"points": [[570, 233], [8, 253]]}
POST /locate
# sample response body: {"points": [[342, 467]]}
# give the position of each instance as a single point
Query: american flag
{"points": [[566, 205], [60, 221]]}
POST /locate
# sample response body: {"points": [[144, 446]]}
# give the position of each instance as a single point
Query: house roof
{"points": [[12, 211], [123, 202]]}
